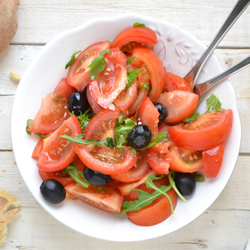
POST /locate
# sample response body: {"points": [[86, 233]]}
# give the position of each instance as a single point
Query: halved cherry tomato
{"points": [[93, 104], [159, 162], [179, 105], [141, 95], [155, 68], [206, 132], [142, 35], [111, 81], [54, 110], [185, 160], [158, 211], [175, 82], [148, 115], [78, 74], [137, 172], [37, 150], [109, 201], [212, 160], [57, 153]]}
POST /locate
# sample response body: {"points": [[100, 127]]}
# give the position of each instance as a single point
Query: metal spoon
{"points": [[202, 88], [232, 18]]}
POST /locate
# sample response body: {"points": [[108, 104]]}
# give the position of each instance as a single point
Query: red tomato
{"points": [[212, 160], [158, 211], [37, 150], [78, 74], [185, 160], [174, 82], [148, 115], [57, 153], [109, 201], [179, 105], [142, 94], [111, 81], [93, 104], [159, 162], [137, 172], [142, 35], [155, 68], [54, 110], [206, 132]]}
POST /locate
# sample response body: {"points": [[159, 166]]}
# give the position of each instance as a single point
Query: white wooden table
{"points": [[226, 224]]}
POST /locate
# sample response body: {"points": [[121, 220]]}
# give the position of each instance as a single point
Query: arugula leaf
{"points": [[27, 126], [109, 41], [98, 64], [198, 177], [139, 24], [130, 60], [132, 75], [72, 59], [146, 86], [157, 139], [213, 103], [193, 117], [83, 119], [107, 141]]}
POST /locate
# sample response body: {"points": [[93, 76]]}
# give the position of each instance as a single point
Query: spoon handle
{"points": [[232, 18], [203, 88]]}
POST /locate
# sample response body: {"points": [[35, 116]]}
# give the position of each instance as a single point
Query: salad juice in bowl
{"points": [[139, 126]]}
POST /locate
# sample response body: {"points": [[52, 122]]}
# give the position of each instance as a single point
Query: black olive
{"points": [[96, 178], [139, 137], [78, 102], [162, 110], [53, 191], [185, 183]]}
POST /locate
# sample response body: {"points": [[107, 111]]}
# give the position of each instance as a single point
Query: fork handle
{"points": [[232, 18]]}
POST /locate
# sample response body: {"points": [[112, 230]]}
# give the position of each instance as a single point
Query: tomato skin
{"points": [[141, 95], [148, 115], [93, 104], [57, 154], [37, 150], [179, 104], [212, 160], [206, 132], [109, 201], [143, 35], [63, 88], [178, 164], [155, 68], [155, 213], [78, 74]]}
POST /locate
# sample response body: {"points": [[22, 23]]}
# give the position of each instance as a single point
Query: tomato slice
{"points": [[206, 132], [155, 68], [142, 35], [57, 153], [212, 160], [179, 105], [142, 94], [37, 150], [137, 172], [185, 160], [93, 104], [78, 74], [148, 115], [158, 211], [111, 81], [109, 201], [175, 82], [54, 110], [159, 162]]}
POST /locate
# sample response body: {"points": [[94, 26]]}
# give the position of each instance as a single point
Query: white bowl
{"points": [[179, 51]]}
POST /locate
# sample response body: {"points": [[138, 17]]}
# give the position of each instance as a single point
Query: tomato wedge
{"points": [[93, 104], [109, 201], [78, 74], [155, 68], [57, 153], [37, 150], [142, 35], [185, 160], [179, 105], [206, 132], [111, 81], [141, 95], [212, 160]]}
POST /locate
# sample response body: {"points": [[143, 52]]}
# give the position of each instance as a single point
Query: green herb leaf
{"points": [[83, 119], [146, 86], [193, 117], [98, 64], [139, 24], [72, 59], [109, 41], [198, 177], [130, 60], [213, 103], [157, 139], [27, 126], [132, 75]]}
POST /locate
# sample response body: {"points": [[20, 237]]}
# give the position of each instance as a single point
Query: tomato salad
{"points": [[123, 135]]}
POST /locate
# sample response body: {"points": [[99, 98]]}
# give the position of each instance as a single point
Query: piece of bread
{"points": [[8, 22]]}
